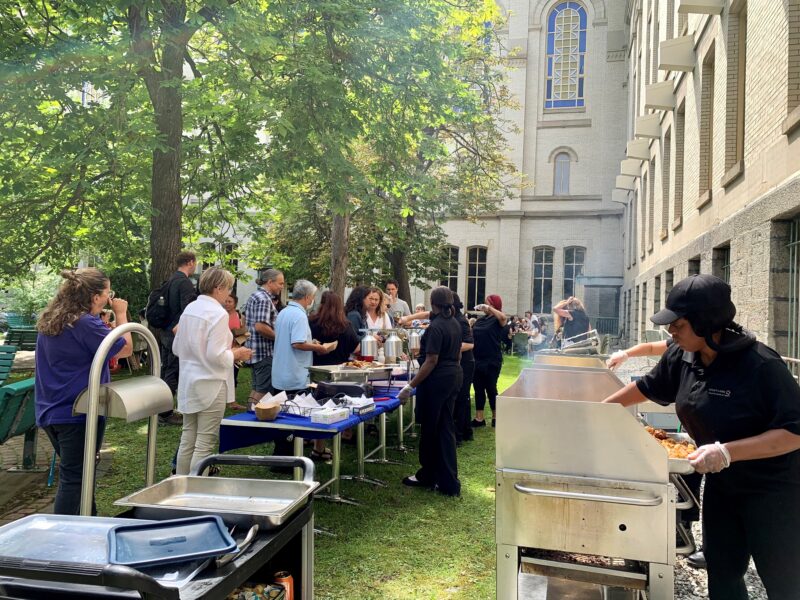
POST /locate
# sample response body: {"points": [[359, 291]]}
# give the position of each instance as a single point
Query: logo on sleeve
{"points": [[720, 393]]}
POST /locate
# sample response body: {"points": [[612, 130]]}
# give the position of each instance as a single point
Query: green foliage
{"points": [[295, 110], [28, 294]]}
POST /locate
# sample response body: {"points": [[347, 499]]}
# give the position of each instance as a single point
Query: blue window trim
{"points": [[576, 97]]}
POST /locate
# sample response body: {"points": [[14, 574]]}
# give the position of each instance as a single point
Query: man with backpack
{"points": [[164, 309]]}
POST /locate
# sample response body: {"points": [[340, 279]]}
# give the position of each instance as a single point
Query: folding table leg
{"points": [[382, 447], [334, 482], [361, 476], [401, 430]]}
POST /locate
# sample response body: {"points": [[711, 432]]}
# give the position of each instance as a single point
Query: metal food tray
{"points": [[680, 466], [343, 373], [267, 503]]}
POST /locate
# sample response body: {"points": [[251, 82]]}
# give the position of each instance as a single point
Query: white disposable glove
{"points": [[710, 458], [405, 393], [616, 359]]}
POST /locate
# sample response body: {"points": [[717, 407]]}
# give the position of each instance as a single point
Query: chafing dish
{"points": [[246, 502], [344, 373], [577, 477]]}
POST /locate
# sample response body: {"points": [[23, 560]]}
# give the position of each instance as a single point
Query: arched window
{"points": [[561, 174], [450, 268], [542, 279], [566, 56], [574, 259], [476, 276]]}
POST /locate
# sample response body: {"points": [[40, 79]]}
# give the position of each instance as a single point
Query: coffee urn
{"points": [[413, 340], [369, 346], [393, 348]]}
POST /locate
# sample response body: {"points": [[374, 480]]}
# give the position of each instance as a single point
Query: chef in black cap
{"points": [[740, 403]]}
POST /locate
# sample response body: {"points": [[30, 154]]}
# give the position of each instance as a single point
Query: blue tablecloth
{"points": [[233, 436]]}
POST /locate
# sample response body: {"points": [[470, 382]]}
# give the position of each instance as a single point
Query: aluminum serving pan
{"points": [[680, 466], [342, 373], [244, 502]]}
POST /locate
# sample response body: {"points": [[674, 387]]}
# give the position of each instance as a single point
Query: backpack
{"points": [[157, 312]]}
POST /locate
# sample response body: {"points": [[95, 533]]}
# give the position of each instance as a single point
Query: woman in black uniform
{"points": [[741, 405], [461, 413], [488, 332], [437, 382]]}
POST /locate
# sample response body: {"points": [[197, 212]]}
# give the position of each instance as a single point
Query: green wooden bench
{"points": [[24, 338], [18, 417], [7, 354], [19, 321]]}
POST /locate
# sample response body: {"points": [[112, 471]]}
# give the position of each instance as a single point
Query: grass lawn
{"points": [[401, 543]]}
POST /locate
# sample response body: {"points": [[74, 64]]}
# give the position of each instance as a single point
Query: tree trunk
{"points": [[340, 242], [165, 221], [397, 258]]}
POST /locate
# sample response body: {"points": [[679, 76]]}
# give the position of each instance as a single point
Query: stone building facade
{"points": [[711, 180], [561, 233]]}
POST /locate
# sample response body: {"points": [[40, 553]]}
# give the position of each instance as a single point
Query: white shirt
{"points": [[203, 345], [382, 322]]}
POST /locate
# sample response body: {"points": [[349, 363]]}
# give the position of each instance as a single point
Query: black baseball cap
{"points": [[697, 294]]}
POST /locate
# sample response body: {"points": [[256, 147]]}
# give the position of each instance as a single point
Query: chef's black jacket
{"points": [[442, 337], [741, 394], [466, 338], [488, 335]]}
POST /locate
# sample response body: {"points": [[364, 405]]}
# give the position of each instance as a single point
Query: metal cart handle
{"points": [[651, 501], [117, 576], [264, 461]]}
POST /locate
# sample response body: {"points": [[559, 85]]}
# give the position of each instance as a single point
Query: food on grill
{"points": [[675, 448], [358, 364]]}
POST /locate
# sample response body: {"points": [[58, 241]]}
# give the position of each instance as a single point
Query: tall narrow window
{"points": [[652, 205], [680, 129], [542, 279], [670, 19], [683, 23], [635, 223], [643, 313], [655, 42], [635, 319], [706, 132], [561, 174], [793, 325], [669, 281], [574, 259], [666, 156], [566, 56], [450, 268], [643, 241], [734, 111], [476, 275], [721, 263], [793, 18], [694, 266], [657, 294]]}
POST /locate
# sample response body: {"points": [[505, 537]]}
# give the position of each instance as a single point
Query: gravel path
{"points": [[690, 584]]}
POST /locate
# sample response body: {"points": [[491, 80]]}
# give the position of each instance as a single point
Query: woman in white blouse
{"points": [[376, 317], [203, 345]]}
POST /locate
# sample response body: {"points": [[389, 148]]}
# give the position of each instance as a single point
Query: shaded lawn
{"points": [[400, 543]]}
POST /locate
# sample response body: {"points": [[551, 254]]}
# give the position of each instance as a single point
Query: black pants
{"points": [[693, 481], [436, 398], [169, 365], [763, 525], [68, 441], [462, 413], [485, 383]]}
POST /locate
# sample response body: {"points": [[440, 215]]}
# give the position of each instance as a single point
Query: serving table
{"points": [[244, 429]]}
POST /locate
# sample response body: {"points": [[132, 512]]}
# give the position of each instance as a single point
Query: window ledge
{"points": [[677, 223], [792, 122], [560, 111], [663, 235], [704, 200], [736, 171], [564, 123]]}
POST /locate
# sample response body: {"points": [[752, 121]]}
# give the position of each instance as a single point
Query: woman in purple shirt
{"points": [[70, 332]]}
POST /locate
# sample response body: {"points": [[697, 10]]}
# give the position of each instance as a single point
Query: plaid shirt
{"points": [[259, 309]]}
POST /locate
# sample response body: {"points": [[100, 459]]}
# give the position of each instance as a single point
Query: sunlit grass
{"points": [[401, 543]]}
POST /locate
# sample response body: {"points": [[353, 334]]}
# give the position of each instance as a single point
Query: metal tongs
{"points": [[251, 535]]}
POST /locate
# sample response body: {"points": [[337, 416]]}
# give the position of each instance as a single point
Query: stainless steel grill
{"points": [[579, 478]]}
